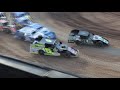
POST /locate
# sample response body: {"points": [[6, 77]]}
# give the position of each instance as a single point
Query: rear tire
{"points": [[41, 52], [7, 31], [23, 38], [78, 42]]}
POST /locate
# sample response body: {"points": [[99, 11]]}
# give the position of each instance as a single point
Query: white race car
{"points": [[33, 32], [27, 31], [16, 15], [43, 32]]}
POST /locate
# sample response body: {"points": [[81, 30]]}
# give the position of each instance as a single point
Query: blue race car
{"points": [[20, 14], [22, 21], [43, 33]]}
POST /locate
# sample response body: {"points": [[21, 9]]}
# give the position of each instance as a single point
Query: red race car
{"points": [[6, 27]]}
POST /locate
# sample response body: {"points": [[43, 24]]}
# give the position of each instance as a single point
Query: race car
{"points": [[83, 37], [22, 22], [33, 32], [3, 16], [43, 32], [6, 27], [27, 31], [16, 15], [52, 47]]}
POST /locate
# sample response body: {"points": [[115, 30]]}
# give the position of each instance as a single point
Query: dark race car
{"points": [[82, 36]]}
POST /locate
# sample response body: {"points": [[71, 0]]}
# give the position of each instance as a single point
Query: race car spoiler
{"points": [[34, 68]]}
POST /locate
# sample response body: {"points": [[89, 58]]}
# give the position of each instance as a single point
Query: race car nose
{"points": [[77, 55]]}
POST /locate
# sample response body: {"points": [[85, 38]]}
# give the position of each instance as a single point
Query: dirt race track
{"points": [[92, 62]]}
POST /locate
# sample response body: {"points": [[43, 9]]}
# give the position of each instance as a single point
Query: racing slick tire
{"points": [[23, 38], [78, 43], [7, 31], [99, 44], [66, 54], [41, 52]]}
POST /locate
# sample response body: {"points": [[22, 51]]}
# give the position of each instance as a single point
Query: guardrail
{"points": [[34, 69]]}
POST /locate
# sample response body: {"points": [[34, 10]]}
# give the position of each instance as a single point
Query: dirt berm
{"points": [[92, 61]]}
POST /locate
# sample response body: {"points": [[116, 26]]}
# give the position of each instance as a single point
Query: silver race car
{"points": [[82, 36]]}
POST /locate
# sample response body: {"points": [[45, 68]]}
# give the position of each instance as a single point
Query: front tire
{"points": [[41, 52], [67, 54], [99, 44]]}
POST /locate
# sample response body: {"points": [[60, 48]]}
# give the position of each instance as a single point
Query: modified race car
{"points": [[82, 36], [52, 47], [3, 16], [34, 31], [43, 32], [16, 15], [6, 27], [27, 31], [22, 22]]}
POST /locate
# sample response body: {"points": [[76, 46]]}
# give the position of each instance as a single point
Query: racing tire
{"points": [[67, 54], [41, 52], [7, 31], [99, 44], [78, 43], [22, 38]]}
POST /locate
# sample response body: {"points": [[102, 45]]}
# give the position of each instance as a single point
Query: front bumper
{"points": [[76, 55]]}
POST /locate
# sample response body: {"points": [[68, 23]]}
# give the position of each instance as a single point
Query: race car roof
{"points": [[27, 30], [30, 28], [35, 25], [18, 13], [47, 41], [42, 32], [21, 19], [83, 33]]}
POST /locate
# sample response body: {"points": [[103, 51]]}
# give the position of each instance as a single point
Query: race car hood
{"points": [[73, 51], [97, 37]]}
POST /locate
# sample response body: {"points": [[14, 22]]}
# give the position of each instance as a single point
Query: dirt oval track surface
{"points": [[92, 62]]}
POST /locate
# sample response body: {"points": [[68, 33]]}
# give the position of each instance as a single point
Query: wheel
{"points": [[7, 31], [23, 38], [67, 54], [41, 52], [78, 43], [99, 43]]}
